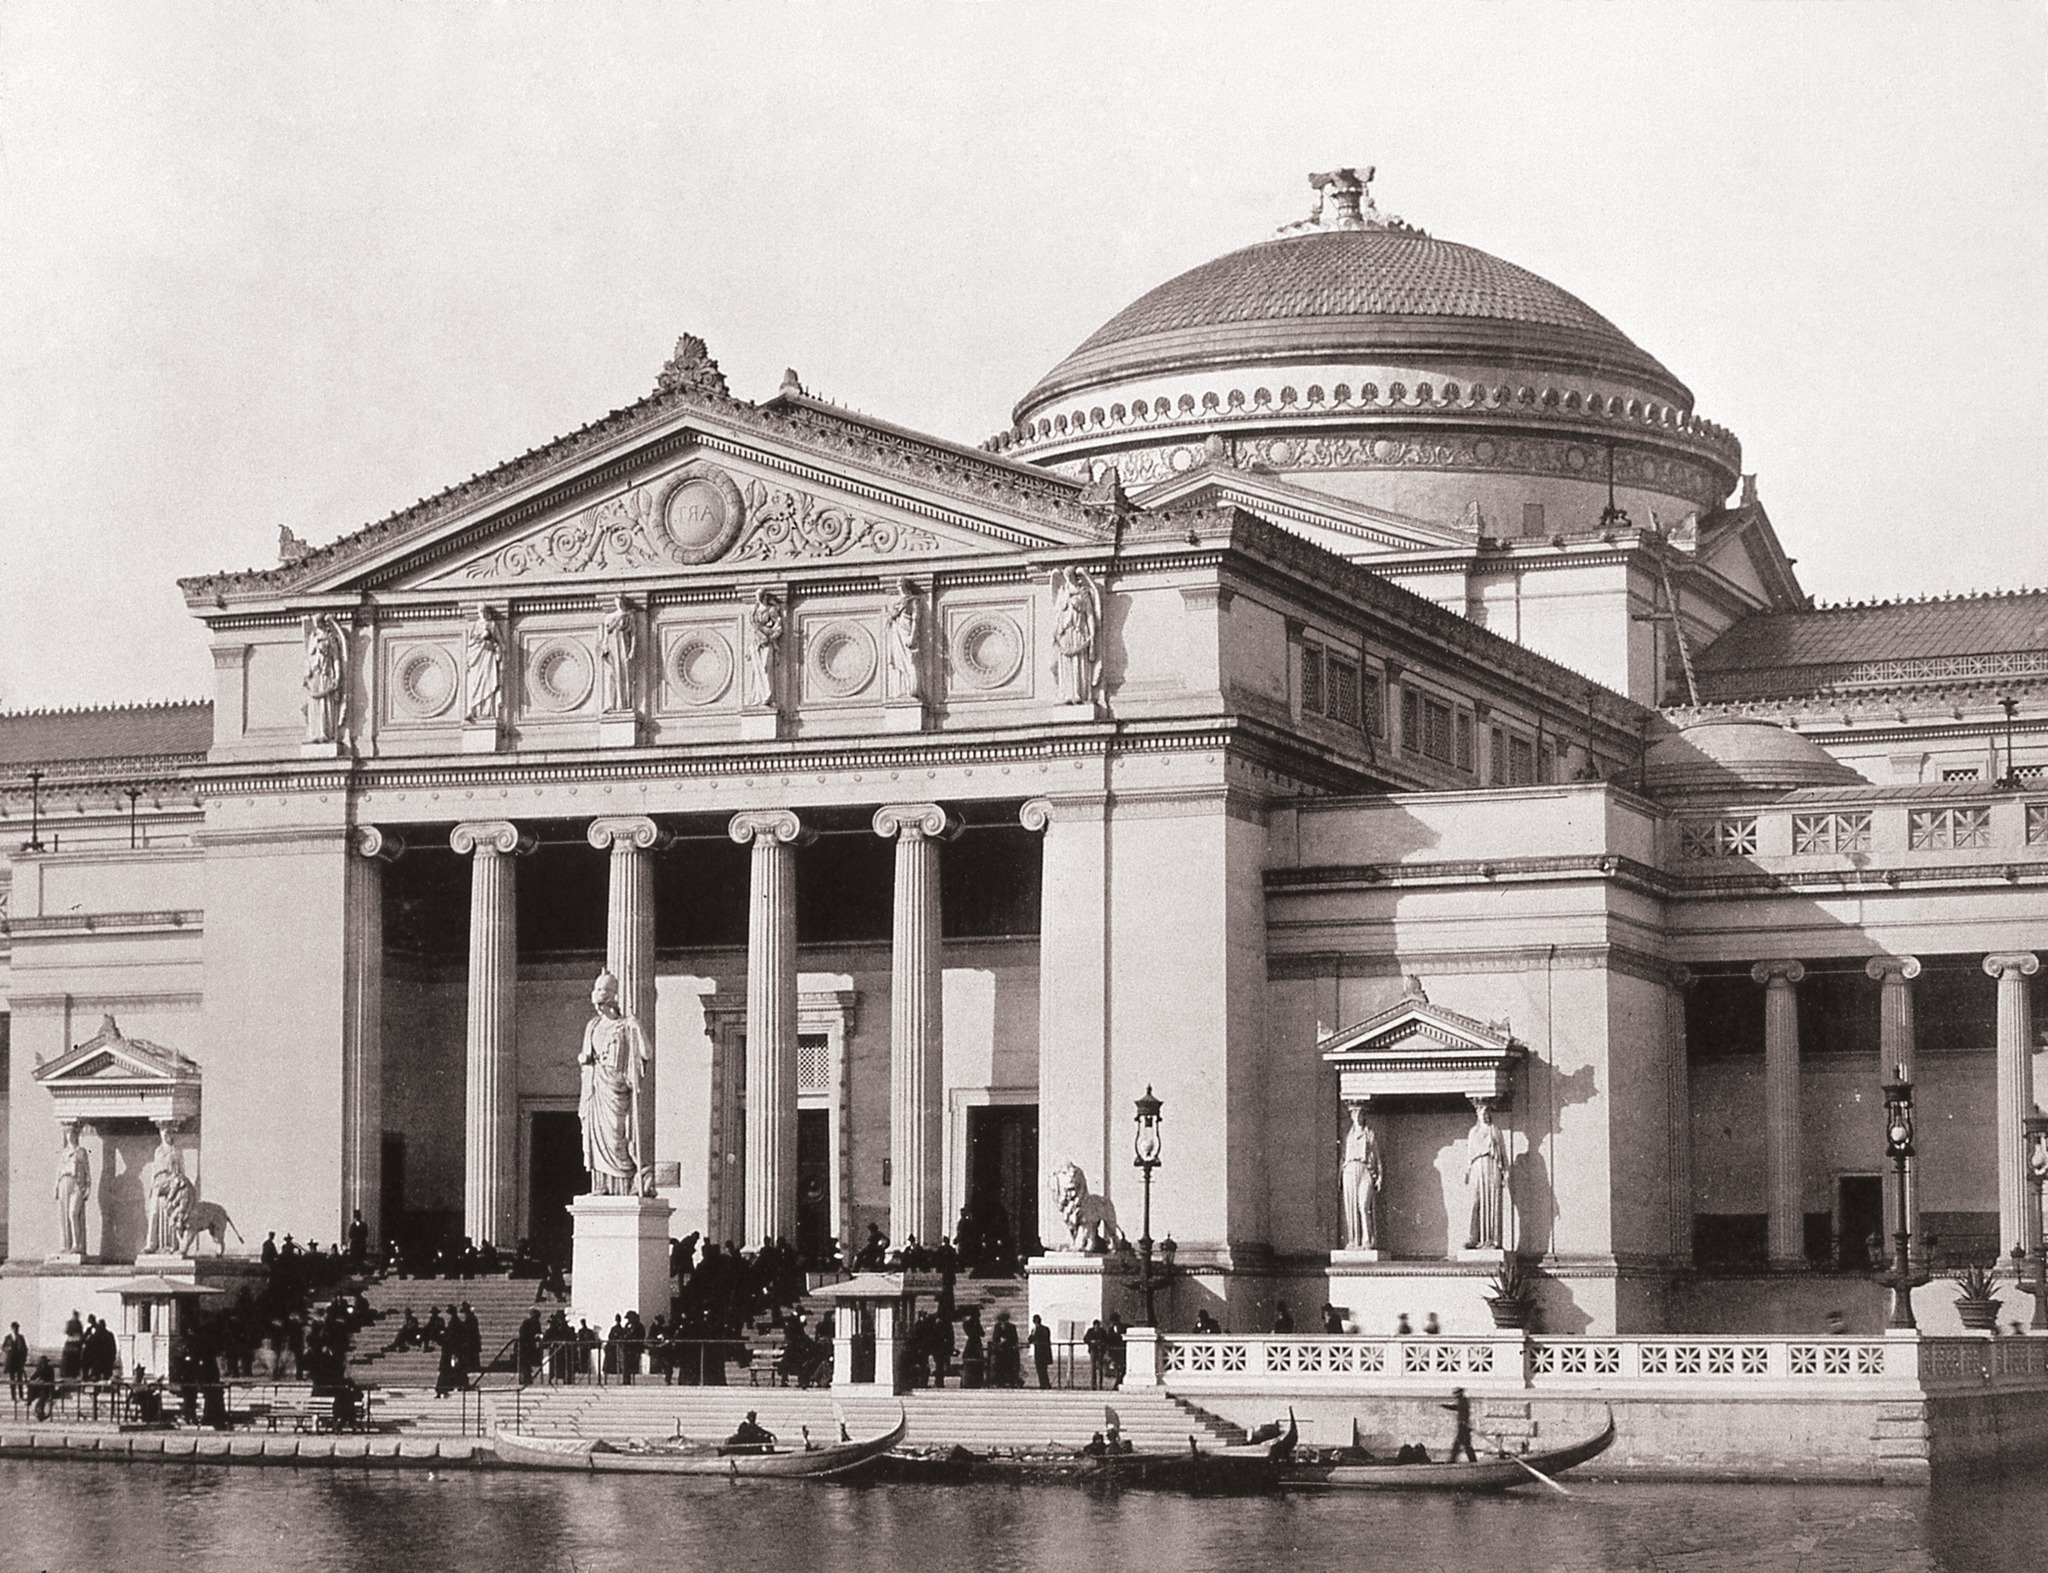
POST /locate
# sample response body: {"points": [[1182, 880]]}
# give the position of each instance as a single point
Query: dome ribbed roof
{"points": [[1339, 293], [1739, 756]]}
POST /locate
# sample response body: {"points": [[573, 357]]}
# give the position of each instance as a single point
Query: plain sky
{"points": [[302, 264]]}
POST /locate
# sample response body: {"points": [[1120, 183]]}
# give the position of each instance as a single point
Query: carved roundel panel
{"points": [[988, 650], [559, 674], [700, 666], [699, 513], [841, 659], [424, 682]]}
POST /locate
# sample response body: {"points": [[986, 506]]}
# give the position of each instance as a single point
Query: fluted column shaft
{"points": [[2018, 1221], [771, 1021], [629, 942], [362, 1060], [1896, 1039], [1786, 1198], [490, 1134], [916, 1022]]}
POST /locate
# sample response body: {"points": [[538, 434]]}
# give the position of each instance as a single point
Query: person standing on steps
{"points": [[1040, 1339]]}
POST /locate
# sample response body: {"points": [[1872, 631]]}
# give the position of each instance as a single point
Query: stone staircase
{"points": [[1030, 1418], [500, 1304]]}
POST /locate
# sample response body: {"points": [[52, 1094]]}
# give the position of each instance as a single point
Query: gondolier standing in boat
{"points": [[1461, 1410]]}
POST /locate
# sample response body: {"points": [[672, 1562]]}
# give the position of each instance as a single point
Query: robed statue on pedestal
{"points": [[616, 1062]]}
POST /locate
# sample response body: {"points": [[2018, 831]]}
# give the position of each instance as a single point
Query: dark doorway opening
{"points": [[554, 1177], [391, 1185], [1002, 1190], [813, 1183], [1860, 1206]]}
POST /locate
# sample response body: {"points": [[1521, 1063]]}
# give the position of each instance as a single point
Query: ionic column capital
{"points": [[618, 832], [1785, 971], [498, 836], [2012, 963], [1886, 969], [1035, 814], [774, 826], [916, 822], [374, 841]]}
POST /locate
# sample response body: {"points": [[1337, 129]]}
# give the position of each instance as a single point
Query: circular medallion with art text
{"points": [[699, 512]]}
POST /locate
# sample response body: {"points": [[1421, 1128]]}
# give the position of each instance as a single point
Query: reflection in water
{"points": [[59, 1515]]}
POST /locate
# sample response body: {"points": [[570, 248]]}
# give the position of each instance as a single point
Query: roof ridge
{"points": [[1932, 598], [111, 708]]}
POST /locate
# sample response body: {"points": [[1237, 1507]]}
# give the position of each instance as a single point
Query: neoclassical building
{"points": [[1357, 676]]}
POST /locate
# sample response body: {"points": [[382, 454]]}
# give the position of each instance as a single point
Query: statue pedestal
{"points": [[1339, 1260], [1482, 1253], [618, 731], [620, 1258], [1069, 1290], [167, 1263], [759, 725], [482, 737], [903, 715], [66, 1259]]}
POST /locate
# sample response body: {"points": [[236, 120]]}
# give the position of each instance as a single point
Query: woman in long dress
{"points": [[1362, 1175], [1486, 1163]]}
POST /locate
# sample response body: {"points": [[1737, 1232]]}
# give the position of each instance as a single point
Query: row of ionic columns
{"points": [[2018, 1218], [916, 1016]]}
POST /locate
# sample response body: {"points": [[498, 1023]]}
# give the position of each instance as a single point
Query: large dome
{"points": [[1356, 355], [1371, 293]]}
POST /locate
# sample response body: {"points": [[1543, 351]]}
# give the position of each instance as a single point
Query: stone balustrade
{"points": [[1870, 834], [1563, 1367]]}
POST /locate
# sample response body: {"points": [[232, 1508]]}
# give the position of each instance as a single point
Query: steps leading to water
{"points": [[500, 1303], [979, 1418]]}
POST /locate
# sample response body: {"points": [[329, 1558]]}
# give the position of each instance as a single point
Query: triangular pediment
{"points": [[1416, 1049], [682, 486], [1341, 525], [109, 1057]]}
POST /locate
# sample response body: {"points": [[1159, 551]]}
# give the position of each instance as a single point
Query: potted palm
{"points": [[1511, 1295], [1974, 1301]]}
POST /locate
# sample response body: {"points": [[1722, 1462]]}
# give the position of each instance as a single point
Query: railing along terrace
{"points": [[1909, 831], [1355, 1363]]}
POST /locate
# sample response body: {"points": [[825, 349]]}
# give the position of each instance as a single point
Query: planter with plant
{"points": [[1511, 1295], [1975, 1303]]}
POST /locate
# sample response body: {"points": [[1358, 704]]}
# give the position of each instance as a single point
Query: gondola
{"points": [[743, 1462], [1488, 1474]]}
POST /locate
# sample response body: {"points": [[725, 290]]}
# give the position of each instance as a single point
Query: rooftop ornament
{"points": [[1344, 201]]}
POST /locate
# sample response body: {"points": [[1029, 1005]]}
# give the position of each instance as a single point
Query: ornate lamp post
{"points": [[1898, 1146], [1145, 1141], [2037, 1165]]}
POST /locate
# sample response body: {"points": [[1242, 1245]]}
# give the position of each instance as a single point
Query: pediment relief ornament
{"points": [[690, 516], [792, 526]]}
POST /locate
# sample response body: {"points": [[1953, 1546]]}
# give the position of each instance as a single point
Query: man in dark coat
{"points": [[1040, 1340]]}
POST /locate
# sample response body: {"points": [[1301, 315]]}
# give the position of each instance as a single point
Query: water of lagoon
{"points": [[62, 1517]]}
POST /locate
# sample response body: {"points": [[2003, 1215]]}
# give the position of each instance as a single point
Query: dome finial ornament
{"points": [[1343, 201]]}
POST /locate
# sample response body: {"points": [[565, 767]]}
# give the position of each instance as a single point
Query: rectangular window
{"points": [[1823, 833], [1411, 720], [1521, 762], [1546, 764], [1343, 690], [1311, 679], [1948, 829], [1465, 741], [1375, 695], [1497, 758], [2037, 824], [1436, 731], [1532, 518]]}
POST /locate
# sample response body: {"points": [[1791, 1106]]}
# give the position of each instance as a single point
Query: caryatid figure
{"points": [[1362, 1177], [617, 639], [485, 660], [615, 1062], [326, 679], [74, 1190], [1486, 1167]]}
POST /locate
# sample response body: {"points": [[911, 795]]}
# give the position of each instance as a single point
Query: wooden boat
{"points": [[1278, 1448], [1488, 1474], [739, 1462]]}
